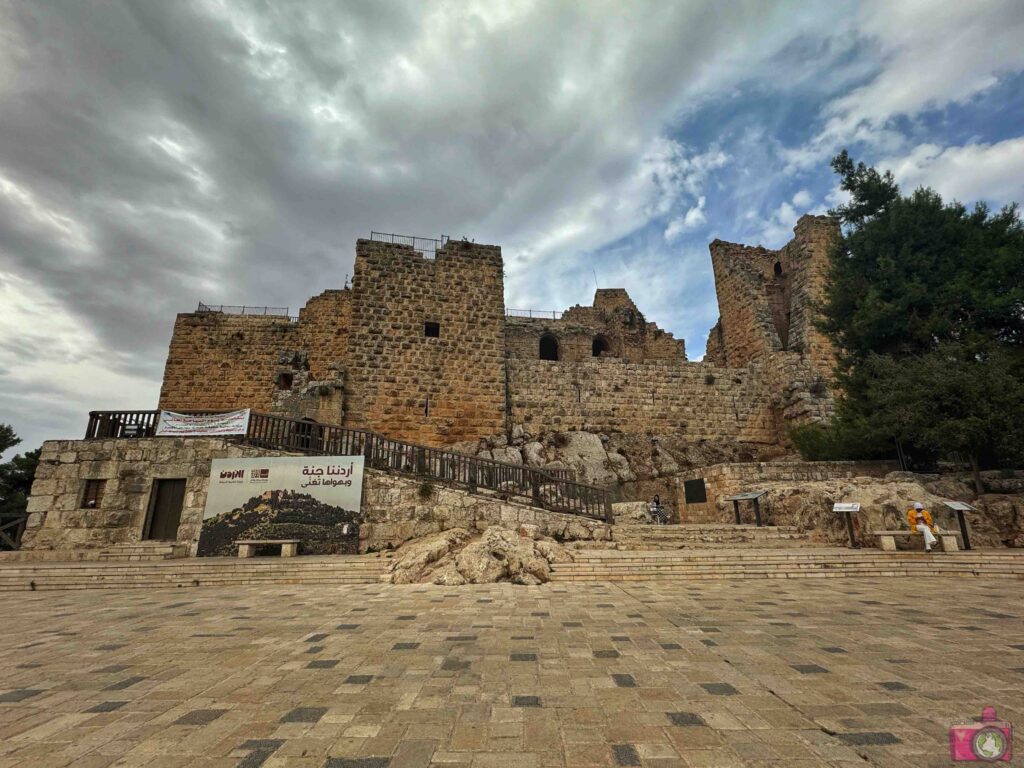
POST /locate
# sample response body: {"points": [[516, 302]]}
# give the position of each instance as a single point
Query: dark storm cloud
{"points": [[153, 154]]}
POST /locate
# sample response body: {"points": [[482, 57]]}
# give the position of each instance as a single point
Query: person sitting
{"points": [[657, 512], [920, 519]]}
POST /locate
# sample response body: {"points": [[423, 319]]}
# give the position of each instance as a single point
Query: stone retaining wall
{"points": [[394, 509], [721, 480]]}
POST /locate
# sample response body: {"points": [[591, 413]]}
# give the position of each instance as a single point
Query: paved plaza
{"points": [[844, 672]]}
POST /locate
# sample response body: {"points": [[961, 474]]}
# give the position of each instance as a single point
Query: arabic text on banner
{"points": [[184, 424]]}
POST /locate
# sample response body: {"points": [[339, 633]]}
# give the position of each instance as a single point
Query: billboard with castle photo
{"points": [[315, 499]]}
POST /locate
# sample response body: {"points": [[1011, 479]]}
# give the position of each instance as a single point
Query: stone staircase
{"points": [[18, 576], [707, 536], [751, 563], [138, 551]]}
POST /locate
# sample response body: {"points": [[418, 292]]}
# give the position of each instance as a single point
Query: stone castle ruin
{"points": [[422, 348], [471, 415]]}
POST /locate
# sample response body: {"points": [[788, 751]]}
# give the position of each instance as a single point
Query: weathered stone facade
{"points": [[394, 510], [420, 349], [695, 400], [766, 301], [612, 328], [407, 383]]}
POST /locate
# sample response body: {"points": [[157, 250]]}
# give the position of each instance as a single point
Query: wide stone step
{"points": [[629, 566], [340, 569]]}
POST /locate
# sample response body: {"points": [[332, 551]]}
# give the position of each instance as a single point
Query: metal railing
{"points": [[553, 490], [547, 314], [244, 309], [424, 245]]}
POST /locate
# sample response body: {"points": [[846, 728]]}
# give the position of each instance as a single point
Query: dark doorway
{"points": [[695, 491], [600, 346], [548, 347], [165, 510]]}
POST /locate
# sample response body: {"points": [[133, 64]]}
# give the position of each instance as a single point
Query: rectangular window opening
{"points": [[93, 493], [695, 491], [432, 330]]}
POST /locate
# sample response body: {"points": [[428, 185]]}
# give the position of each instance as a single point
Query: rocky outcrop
{"points": [[808, 506], [455, 557], [610, 459]]}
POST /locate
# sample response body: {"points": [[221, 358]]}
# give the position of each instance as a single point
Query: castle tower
{"points": [[426, 345], [766, 298]]}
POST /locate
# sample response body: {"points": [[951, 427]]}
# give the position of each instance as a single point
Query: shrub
{"points": [[426, 492]]}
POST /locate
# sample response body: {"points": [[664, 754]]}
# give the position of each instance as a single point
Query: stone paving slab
{"points": [[656, 674]]}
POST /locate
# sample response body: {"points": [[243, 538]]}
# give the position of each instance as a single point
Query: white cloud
{"points": [[930, 55], [690, 221], [968, 173]]}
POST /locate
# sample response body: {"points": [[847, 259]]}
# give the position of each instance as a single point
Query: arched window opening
{"points": [[600, 346], [548, 347], [778, 269]]}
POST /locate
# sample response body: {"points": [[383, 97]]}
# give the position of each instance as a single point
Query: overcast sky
{"points": [[154, 154]]}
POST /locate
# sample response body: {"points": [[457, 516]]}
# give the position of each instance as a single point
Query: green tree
{"points": [[7, 438], [961, 399], [924, 301], [16, 477]]}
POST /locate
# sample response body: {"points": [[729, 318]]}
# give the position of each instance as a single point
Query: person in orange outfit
{"points": [[920, 519]]}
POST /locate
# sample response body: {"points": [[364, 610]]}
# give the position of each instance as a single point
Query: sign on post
{"points": [[848, 509]]}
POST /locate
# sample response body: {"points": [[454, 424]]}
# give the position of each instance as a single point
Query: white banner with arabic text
{"points": [[210, 424]]}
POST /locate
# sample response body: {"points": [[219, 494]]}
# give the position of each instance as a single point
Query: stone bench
{"points": [[888, 539], [247, 547]]}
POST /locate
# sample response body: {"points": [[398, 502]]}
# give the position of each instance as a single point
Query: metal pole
{"points": [[736, 510], [757, 512], [849, 529], [963, 528]]}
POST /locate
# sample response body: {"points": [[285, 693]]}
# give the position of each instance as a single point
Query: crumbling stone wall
{"points": [[806, 260], [613, 318], [692, 400], [222, 362], [408, 384], [323, 327], [766, 299]]}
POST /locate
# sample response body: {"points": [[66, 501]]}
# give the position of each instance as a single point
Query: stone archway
{"points": [[548, 347]]}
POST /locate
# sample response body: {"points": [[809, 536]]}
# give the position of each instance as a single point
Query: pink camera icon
{"points": [[988, 740]]}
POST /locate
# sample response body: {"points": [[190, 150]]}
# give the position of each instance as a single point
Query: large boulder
{"points": [[456, 557], [481, 564], [631, 512], [584, 453], [419, 556]]}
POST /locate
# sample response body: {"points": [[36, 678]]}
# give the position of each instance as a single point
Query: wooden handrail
{"points": [[551, 489]]}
